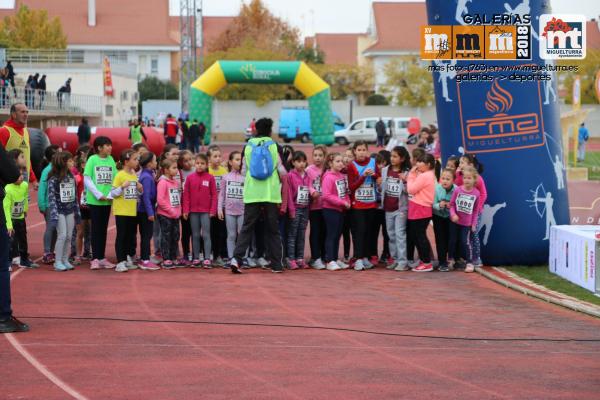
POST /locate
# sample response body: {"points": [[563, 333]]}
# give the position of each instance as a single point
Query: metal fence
{"points": [[51, 102], [44, 56]]}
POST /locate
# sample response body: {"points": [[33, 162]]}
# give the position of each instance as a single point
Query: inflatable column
{"points": [[509, 119]]}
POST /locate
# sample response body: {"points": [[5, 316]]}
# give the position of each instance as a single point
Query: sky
{"points": [[346, 16]]}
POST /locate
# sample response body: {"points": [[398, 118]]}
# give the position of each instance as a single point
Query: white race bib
{"points": [[104, 175], [174, 197], [393, 187], [83, 200], [317, 184], [218, 180], [465, 203], [365, 193], [235, 190], [130, 192], [342, 188], [17, 209], [303, 196], [67, 192]]}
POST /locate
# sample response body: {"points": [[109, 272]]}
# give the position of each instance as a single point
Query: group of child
{"points": [[193, 198]]}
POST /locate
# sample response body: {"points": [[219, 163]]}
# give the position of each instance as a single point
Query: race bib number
{"points": [[317, 184], [303, 196], [83, 201], [465, 203], [393, 187], [235, 190], [218, 180], [104, 175], [67, 192], [130, 192], [17, 209], [174, 197], [365, 193], [342, 188]]}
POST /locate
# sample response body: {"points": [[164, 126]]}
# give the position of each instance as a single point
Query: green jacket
{"points": [[265, 191], [43, 189], [15, 202], [442, 195]]}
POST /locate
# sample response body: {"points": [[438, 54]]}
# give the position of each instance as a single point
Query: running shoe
{"points": [[470, 268], [424, 268], [168, 264], [95, 264], [318, 264], [358, 265], [147, 265], [207, 264], [196, 263], [332, 266], [60, 267], [104, 263], [121, 267], [293, 265]]}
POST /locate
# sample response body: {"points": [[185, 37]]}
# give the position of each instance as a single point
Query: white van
{"points": [[364, 129]]}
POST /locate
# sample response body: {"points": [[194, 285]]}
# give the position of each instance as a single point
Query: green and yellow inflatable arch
{"points": [[221, 73]]}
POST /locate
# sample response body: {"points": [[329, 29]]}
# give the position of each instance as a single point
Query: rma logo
{"points": [[563, 36]]}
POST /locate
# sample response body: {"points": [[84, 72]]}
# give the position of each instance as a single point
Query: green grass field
{"points": [[541, 276], [592, 162]]}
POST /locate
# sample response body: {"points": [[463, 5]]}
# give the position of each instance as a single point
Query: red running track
{"points": [[261, 336]]}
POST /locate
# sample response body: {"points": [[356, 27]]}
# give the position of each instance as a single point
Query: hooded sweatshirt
{"points": [[335, 191], [200, 194], [168, 198], [148, 199], [231, 197], [298, 191]]}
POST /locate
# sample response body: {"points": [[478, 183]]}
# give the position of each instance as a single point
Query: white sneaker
{"points": [[342, 264], [332, 266], [367, 264], [130, 264], [251, 262], [122, 267], [402, 268], [358, 265], [262, 262], [317, 264]]}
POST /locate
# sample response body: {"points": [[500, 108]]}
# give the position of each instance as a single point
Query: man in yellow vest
{"points": [[14, 135]]}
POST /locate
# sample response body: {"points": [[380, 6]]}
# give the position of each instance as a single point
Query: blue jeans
{"points": [[296, 234], [5, 309], [334, 220]]}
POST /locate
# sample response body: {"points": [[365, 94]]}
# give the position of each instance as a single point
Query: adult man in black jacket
{"points": [[84, 132], [9, 173]]}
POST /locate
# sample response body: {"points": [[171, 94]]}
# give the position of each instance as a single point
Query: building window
{"points": [[133, 110], [124, 95], [108, 112], [154, 65], [135, 96], [116, 56]]}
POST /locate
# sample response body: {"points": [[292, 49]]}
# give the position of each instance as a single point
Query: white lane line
{"points": [[36, 363]]}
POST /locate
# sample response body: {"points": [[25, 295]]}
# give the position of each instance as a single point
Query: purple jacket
{"points": [[231, 196], [147, 201]]}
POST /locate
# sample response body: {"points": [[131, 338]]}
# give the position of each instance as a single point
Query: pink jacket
{"points": [[465, 205], [480, 186], [421, 187], [231, 197], [295, 182], [315, 174], [168, 198], [336, 193], [200, 194]]}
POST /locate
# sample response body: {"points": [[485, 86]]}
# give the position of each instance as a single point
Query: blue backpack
{"points": [[261, 161]]}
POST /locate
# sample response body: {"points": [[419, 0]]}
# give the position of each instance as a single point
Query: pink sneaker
{"points": [[292, 264], [374, 260], [104, 263], [207, 264], [424, 268], [149, 266], [95, 264]]}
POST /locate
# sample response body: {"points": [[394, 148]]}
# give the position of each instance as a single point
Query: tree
{"points": [[32, 29], [152, 88], [588, 68], [346, 80], [310, 55], [255, 23], [407, 83], [377, 100]]}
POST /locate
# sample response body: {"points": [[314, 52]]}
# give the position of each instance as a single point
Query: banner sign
{"points": [[108, 86]]}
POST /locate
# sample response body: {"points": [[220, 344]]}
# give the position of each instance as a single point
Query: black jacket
{"points": [[194, 132], [380, 128], [84, 133]]}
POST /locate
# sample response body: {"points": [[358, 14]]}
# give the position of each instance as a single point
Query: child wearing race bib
{"points": [[298, 202], [218, 229], [125, 192], [186, 168], [362, 176], [168, 210], [411, 246], [336, 201], [315, 216], [80, 243], [469, 160], [347, 158], [199, 206], [441, 217], [146, 210], [382, 159], [231, 201], [98, 175], [50, 231], [63, 206], [420, 185], [16, 204], [464, 213], [395, 205]]}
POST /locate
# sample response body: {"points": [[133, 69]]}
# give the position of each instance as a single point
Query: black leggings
{"points": [[100, 215], [126, 227], [346, 233], [441, 228], [218, 238], [317, 234], [379, 222], [186, 237], [146, 230], [418, 230], [363, 229]]}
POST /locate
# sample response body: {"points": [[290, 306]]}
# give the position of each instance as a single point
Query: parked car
{"points": [[294, 123], [364, 129]]}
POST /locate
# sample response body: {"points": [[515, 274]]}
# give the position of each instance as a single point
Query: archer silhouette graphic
{"points": [[544, 198], [461, 9], [445, 74], [522, 9], [559, 169], [487, 219]]}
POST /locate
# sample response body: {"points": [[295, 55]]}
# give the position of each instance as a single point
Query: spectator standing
{"points": [[380, 130], [194, 137], [170, 129], [136, 132], [584, 136], [183, 133], [41, 87], [202, 134], [14, 135], [83, 132], [11, 76], [64, 94], [28, 91]]}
